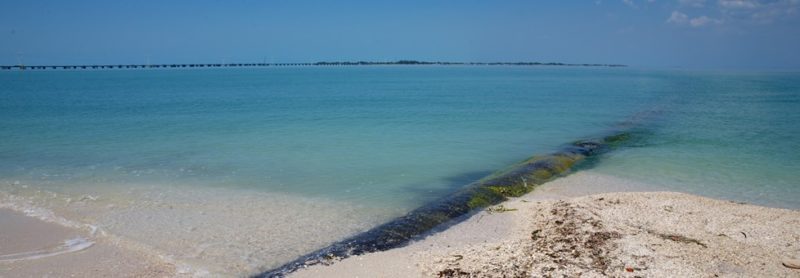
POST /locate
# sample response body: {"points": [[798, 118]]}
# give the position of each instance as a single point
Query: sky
{"points": [[702, 34]]}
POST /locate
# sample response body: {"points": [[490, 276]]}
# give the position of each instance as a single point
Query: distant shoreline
{"points": [[250, 65]]}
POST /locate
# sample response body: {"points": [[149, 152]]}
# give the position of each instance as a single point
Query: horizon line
{"points": [[321, 63]]}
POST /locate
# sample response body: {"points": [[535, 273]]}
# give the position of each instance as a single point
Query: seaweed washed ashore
{"points": [[513, 182], [557, 231]]}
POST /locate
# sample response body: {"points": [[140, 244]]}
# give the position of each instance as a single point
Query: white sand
{"points": [[653, 234]]}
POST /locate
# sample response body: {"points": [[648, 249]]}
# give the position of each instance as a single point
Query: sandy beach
{"points": [[550, 233], [579, 225]]}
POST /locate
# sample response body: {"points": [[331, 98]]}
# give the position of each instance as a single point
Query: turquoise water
{"points": [[725, 135], [394, 136]]}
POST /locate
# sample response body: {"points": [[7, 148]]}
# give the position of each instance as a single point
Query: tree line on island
{"points": [[345, 63], [414, 62]]}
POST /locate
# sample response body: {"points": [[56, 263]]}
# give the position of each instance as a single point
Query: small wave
{"points": [[69, 246]]}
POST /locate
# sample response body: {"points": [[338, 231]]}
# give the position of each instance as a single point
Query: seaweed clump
{"points": [[512, 182]]}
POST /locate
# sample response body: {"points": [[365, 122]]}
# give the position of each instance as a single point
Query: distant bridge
{"points": [[155, 66], [239, 65]]}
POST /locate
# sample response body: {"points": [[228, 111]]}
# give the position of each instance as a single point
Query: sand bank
{"points": [[549, 232]]}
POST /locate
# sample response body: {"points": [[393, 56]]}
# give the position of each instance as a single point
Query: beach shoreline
{"points": [[31, 247], [188, 231], [560, 230], [604, 214]]}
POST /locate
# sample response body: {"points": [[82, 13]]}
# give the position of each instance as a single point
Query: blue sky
{"points": [[739, 34]]}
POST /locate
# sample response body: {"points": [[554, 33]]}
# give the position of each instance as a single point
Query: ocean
{"points": [[251, 167]]}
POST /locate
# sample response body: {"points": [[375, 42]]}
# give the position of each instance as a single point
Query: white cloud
{"points": [[692, 3], [738, 4], [758, 11], [632, 3], [733, 12], [703, 20], [679, 18]]}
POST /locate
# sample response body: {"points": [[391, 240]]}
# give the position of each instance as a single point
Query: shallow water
{"points": [[725, 135], [394, 136], [366, 143]]}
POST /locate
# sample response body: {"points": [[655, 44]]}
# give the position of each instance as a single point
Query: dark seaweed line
{"points": [[514, 182]]}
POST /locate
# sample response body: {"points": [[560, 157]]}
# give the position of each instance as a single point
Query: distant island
{"points": [[413, 62], [229, 65]]}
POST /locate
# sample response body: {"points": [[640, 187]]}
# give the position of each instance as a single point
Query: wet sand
{"points": [[23, 236], [180, 230]]}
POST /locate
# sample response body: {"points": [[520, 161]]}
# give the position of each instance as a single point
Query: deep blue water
{"points": [[395, 136]]}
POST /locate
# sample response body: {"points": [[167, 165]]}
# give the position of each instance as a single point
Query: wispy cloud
{"points": [[632, 3], [738, 4], [692, 3], [679, 18], [759, 11], [703, 21], [733, 12]]}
